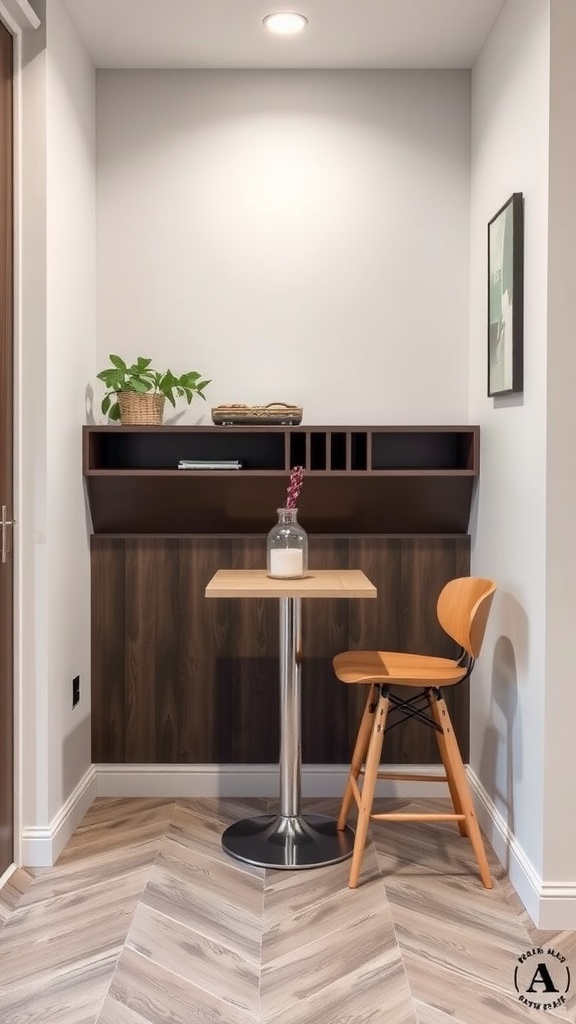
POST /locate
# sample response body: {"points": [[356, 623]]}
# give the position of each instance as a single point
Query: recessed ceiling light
{"points": [[285, 23]]}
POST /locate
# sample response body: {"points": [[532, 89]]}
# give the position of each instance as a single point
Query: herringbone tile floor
{"points": [[145, 920]]}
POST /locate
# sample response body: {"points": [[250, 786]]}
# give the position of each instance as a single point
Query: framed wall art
{"points": [[506, 298]]}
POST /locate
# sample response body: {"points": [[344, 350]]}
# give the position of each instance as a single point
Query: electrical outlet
{"points": [[75, 691]]}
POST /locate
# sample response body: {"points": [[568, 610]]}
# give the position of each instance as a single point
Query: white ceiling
{"points": [[229, 33]]}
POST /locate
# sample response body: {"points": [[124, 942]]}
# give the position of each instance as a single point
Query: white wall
{"points": [[57, 362], [295, 236], [510, 126]]}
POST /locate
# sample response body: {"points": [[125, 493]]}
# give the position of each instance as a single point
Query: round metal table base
{"points": [[275, 841]]}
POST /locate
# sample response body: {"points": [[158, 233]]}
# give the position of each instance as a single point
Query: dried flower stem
{"points": [[294, 487]]}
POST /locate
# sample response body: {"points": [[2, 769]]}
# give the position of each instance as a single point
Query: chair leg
{"points": [[458, 772], [369, 786], [360, 748], [456, 803]]}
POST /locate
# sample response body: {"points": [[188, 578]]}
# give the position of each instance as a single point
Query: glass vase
{"points": [[287, 547]]}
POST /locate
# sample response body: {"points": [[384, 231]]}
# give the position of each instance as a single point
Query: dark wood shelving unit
{"points": [[358, 479], [393, 501]]}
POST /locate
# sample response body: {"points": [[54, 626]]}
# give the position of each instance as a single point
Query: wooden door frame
{"points": [[7, 595], [17, 18]]}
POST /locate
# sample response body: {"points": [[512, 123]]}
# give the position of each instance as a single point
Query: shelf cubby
{"points": [[337, 448]]}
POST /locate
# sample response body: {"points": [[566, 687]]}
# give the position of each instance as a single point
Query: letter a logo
{"points": [[542, 977]]}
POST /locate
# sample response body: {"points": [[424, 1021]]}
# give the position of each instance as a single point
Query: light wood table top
{"points": [[318, 583]]}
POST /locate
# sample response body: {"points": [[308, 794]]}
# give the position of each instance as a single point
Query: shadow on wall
{"points": [[89, 402], [500, 762]]}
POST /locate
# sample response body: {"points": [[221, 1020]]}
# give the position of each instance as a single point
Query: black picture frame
{"points": [[506, 298]]}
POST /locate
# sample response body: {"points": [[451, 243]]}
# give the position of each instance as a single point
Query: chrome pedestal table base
{"points": [[289, 839], [277, 841]]}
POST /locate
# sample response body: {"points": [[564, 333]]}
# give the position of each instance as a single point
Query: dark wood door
{"points": [[6, 459]]}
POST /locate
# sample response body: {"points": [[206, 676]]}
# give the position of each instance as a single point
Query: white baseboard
{"points": [[41, 846], [226, 780], [551, 905]]}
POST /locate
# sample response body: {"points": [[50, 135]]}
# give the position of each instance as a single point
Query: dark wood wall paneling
{"points": [[179, 679]]}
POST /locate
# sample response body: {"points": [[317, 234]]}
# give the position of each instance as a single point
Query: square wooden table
{"points": [[289, 839]]}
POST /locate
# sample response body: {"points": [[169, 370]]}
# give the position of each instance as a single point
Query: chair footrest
{"points": [[410, 777], [414, 816]]}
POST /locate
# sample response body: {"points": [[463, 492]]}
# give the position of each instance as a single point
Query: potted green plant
{"points": [[137, 393]]}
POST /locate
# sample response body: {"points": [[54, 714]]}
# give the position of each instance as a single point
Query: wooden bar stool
{"points": [[463, 608]]}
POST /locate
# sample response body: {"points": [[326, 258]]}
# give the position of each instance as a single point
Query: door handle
{"points": [[4, 524]]}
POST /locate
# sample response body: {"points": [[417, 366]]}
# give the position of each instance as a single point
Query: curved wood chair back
{"points": [[463, 608]]}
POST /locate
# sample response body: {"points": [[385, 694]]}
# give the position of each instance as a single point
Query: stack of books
{"points": [[209, 464]]}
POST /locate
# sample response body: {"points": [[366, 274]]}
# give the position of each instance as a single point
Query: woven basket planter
{"points": [[140, 409]]}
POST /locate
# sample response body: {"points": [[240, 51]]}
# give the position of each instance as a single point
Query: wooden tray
{"points": [[274, 414]]}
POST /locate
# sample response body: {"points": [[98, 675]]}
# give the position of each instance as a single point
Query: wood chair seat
{"points": [[462, 609], [397, 669]]}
